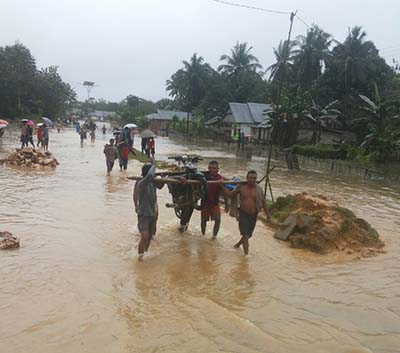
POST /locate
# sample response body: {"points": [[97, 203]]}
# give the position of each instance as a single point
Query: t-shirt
{"points": [[214, 190], [147, 195]]}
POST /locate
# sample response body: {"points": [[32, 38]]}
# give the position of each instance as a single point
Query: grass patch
{"points": [[345, 212], [346, 226], [139, 156], [322, 151], [282, 207]]}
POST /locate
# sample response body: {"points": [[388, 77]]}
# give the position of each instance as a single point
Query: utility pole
{"points": [[277, 106]]}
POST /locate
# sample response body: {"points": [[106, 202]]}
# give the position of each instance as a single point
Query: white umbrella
{"points": [[130, 126]]}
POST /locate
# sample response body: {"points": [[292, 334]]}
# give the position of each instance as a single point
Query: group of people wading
{"points": [[250, 196], [42, 133], [119, 148]]}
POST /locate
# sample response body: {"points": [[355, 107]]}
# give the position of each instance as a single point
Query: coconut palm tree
{"points": [[197, 73], [240, 60], [354, 59], [311, 56], [283, 67]]}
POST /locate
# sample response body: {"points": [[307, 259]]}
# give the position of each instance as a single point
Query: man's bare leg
{"points": [[245, 243], [148, 243], [144, 242], [217, 225], [203, 226], [237, 245]]}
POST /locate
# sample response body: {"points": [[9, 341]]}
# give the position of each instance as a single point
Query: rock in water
{"points": [[30, 157], [8, 241]]}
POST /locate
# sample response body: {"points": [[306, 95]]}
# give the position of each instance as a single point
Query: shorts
{"points": [[247, 223], [147, 224], [212, 212]]}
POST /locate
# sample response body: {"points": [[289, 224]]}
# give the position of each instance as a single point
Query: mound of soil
{"points": [[8, 241], [30, 157], [322, 226]]}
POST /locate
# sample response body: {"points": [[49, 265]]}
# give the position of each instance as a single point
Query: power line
{"points": [[304, 22], [252, 7], [263, 9]]}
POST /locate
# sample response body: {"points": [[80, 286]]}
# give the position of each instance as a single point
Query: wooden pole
{"points": [[188, 181]]}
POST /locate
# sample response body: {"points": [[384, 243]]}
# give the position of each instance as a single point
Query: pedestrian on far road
{"points": [[30, 136], [92, 136], [39, 135], [111, 152], [45, 137], [24, 134], [82, 135], [104, 129], [252, 200]]}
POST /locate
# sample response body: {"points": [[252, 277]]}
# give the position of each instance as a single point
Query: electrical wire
{"points": [[252, 7]]}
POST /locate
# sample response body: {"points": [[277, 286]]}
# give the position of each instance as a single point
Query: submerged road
{"points": [[75, 284]]}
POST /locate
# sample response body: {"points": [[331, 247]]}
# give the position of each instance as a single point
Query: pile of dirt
{"points": [[30, 157], [8, 241], [322, 226]]}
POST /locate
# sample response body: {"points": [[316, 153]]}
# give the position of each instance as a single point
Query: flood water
{"points": [[75, 285]]}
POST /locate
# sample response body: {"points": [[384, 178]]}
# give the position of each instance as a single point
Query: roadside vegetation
{"points": [[324, 84]]}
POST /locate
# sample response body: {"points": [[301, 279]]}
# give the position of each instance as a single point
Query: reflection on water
{"points": [[75, 284]]}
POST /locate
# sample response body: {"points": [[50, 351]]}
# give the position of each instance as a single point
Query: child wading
{"points": [[111, 153]]}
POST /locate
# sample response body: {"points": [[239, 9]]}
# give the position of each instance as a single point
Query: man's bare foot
{"points": [[236, 246], [140, 257]]}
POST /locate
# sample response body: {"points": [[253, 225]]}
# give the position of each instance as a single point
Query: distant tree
{"points": [[311, 56], [355, 65], [240, 60], [283, 68]]}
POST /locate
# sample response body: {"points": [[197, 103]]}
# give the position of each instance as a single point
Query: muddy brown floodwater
{"points": [[75, 284]]}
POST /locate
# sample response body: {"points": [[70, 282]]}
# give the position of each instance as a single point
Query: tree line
{"points": [[26, 91], [318, 78]]}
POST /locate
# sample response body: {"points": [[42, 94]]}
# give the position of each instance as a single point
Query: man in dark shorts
{"points": [[145, 200], [251, 202], [212, 210]]}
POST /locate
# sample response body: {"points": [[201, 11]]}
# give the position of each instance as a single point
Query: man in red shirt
{"points": [[212, 208]]}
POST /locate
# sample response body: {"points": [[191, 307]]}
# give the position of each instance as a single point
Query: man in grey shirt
{"points": [[145, 200]]}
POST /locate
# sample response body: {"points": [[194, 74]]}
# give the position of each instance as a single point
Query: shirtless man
{"points": [[251, 201]]}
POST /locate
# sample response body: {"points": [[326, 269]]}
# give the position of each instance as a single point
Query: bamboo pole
{"points": [[188, 181]]}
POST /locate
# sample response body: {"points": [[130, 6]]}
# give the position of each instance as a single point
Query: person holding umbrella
{"points": [[39, 134]]}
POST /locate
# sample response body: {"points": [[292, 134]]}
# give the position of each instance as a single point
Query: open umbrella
{"points": [[30, 123], [3, 123], [24, 120], [147, 134], [130, 126], [40, 124], [48, 121]]}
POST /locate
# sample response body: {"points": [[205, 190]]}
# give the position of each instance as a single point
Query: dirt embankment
{"points": [[322, 226], [30, 157]]}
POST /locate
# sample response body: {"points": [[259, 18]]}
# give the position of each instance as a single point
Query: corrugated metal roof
{"points": [[248, 113], [241, 113], [257, 111], [167, 115]]}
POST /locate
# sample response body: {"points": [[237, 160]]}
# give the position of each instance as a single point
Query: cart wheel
{"points": [[178, 212]]}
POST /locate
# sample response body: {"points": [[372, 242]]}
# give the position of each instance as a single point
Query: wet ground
{"points": [[75, 285]]}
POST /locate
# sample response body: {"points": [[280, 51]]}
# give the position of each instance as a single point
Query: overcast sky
{"points": [[133, 46]]}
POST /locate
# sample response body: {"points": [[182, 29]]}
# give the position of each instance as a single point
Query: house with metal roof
{"points": [[161, 120], [248, 118]]}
